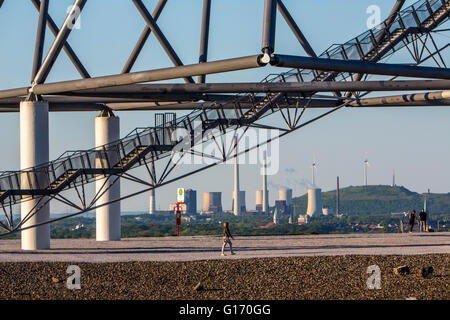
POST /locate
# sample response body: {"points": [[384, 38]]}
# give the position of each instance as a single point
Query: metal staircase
{"points": [[419, 19]]}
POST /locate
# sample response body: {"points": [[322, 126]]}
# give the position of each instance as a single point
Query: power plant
{"points": [[212, 202], [314, 202], [285, 194], [259, 200]]}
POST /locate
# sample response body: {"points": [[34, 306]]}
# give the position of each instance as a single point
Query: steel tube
{"points": [[12, 93], [160, 36], [286, 61], [295, 29], [269, 26], [258, 87], [67, 48], [40, 38], [149, 76], [143, 38], [57, 45], [204, 38], [441, 97]]}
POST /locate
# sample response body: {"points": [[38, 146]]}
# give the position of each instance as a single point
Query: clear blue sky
{"points": [[414, 141]]}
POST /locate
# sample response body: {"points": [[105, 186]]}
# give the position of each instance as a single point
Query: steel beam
{"points": [[295, 29], [57, 45], [12, 93], [356, 66], [67, 48], [441, 97], [160, 36], [204, 39], [269, 26], [149, 76], [143, 38], [262, 87], [40, 38]]}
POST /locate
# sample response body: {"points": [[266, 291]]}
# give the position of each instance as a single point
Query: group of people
{"points": [[422, 220]]}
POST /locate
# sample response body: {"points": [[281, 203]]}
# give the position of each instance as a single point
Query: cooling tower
{"points": [[314, 202], [259, 197], [285, 194], [212, 202]]}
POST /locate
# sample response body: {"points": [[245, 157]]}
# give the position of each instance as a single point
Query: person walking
{"points": [[226, 238], [412, 219], [423, 220]]}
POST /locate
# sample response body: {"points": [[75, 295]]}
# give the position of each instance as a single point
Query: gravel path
{"points": [[204, 248], [320, 277]]}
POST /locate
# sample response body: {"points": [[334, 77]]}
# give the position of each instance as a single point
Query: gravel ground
{"points": [[286, 278]]}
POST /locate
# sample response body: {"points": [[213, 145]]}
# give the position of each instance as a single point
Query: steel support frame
{"points": [[151, 23], [143, 38], [58, 43]]}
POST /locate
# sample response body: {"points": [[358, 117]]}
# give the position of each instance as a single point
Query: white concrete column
{"points": [[152, 207], [107, 129], [34, 150]]}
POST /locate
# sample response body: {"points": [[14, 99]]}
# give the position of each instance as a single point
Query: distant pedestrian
{"points": [[226, 238], [423, 220], [412, 219]]}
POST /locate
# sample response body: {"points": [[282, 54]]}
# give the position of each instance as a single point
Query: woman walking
{"points": [[226, 238]]}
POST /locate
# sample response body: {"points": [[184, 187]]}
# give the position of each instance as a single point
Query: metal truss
{"points": [[336, 79]]}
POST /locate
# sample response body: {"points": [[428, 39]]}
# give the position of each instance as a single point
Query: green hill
{"points": [[379, 199]]}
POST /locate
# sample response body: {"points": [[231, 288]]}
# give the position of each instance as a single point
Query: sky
{"points": [[413, 141]]}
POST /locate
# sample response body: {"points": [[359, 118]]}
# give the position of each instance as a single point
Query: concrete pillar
{"points": [[152, 207], [107, 129], [34, 150]]}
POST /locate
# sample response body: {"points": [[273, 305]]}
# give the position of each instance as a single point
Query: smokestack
{"points": [[393, 177], [236, 194], [265, 202], [337, 195], [152, 199]]}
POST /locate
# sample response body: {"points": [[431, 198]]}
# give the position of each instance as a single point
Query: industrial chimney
{"points": [[265, 199], [237, 195]]}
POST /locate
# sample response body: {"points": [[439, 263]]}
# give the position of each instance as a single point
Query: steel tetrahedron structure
{"points": [[340, 77]]}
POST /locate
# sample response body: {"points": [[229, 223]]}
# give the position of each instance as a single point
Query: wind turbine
{"points": [[366, 165]]}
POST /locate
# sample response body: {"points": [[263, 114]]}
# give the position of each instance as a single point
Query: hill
{"points": [[378, 199]]}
